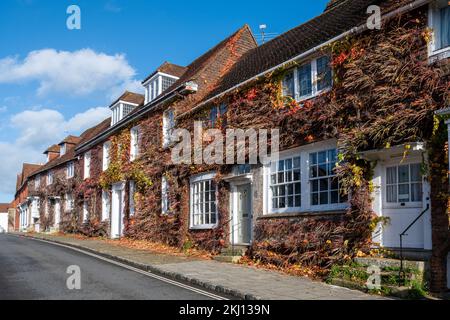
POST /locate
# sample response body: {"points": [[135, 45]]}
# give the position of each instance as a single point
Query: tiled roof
{"points": [[169, 68], [71, 140], [54, 149], [339, 18], [131, 97], [4, 207], [70, 155], [27, 171], [333, 3], [197, 65], [94, 131]]}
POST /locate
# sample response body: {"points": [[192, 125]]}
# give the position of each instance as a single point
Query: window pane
{"points": [[391, 175], [297, 175], [324, 198], [296, 162], [273, 179], [298, 201], [288, 176], [314, 199], [275, 191], [282, 190], [288, 85], [322, 157], [391, 194], [288, 164], [304, 79], [323, 184], [334, 197], [274, 203], [403, 192], [298, 188], [334, 184], [281, 165], [314, 171], [444, 27], [290, 188], [323, 73], [323, 170], [416, 192], [313, 158], [290, 202], [282, 202], [403, 174], [416, 175]]}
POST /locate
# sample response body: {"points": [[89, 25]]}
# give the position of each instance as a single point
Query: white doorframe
{"points": [[57, 213], [234, 201], [117, 210], [386, 159]]}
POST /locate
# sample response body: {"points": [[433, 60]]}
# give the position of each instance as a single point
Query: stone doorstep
{"points": [[382, 262], [400, 292]]}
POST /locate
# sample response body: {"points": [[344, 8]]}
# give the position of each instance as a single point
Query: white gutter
{"points": [[363, 27], [443, 112]]}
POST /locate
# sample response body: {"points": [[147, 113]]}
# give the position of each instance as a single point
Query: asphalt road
{"points": [[32, 270]]}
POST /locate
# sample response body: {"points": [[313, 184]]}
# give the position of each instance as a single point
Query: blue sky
{"points": [[55, 81]]}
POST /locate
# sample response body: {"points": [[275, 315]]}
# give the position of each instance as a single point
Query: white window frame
{"points": [[69, 204], [37, 181], [131, 203], [398, 204], [306, 205], [164, 195], [63, 149], [106, 155], [49, 178], [117, 111], [87, 165], [134, 141], [70, 172], [314, 81], [85, 211], [433, 23], [106, 205], [168, 127], [193, 181]]}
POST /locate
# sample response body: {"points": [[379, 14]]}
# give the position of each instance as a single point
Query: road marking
{"points": [[145, 273]]}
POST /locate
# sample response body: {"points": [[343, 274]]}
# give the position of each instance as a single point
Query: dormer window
{"points": [[157, 84], [63, 149], [120, 110]]}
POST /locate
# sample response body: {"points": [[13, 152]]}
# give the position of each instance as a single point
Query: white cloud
{"points": [[76, 73], [38, 130]]}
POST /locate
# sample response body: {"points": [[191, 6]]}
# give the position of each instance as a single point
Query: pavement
{"points": [[241, 282]]}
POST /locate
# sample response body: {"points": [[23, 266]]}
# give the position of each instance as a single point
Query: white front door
{"points": [[404, 197], [117, 208], [57, 213], [242, 214]]}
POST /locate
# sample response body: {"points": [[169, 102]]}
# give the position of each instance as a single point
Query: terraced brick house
{"points": [[362, 162], [21, 203]]}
